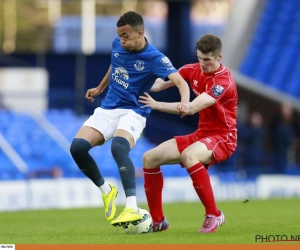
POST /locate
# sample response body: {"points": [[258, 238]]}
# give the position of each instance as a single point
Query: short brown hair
{"points": [[209, 43]]}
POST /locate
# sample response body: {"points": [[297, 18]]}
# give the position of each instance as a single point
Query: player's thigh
{"points": [[93, 136], [130, 126], [196, 152], [99, 127], [165, 153]]}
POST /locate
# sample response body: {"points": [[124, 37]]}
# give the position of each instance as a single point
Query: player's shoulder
{"points": [[116, 40], [116, 45], [223, 70], [158, 57], [223, 73], [224, 77], [153, 51]]}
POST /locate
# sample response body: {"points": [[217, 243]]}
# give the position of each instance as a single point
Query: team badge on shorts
{"points": [[217, 90], [139, 65]]}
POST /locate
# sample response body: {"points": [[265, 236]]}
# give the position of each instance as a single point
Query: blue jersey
{"points": [[132, 74]]}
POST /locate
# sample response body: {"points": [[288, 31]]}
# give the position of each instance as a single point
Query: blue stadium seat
{"points": [[8, 169], [276, 39]]}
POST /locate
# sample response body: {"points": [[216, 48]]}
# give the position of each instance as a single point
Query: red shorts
{"points": [[222, 145]]}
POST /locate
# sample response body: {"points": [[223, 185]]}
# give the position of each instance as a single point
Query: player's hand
{"points": [[183, 109], [91, 93], [148, 101]]}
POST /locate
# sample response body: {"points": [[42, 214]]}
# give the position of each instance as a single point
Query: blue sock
{"points": [[120, 150], [80, 152]]}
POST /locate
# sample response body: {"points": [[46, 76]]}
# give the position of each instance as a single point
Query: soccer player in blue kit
{"points": [[135, 65]]}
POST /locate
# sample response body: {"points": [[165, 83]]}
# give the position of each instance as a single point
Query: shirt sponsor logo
{"points": [[119, 73], [139, 65], [217, 90], [196, 92], [167, 63]]}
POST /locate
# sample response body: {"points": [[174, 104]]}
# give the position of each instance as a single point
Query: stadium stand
{"points": [[273, 53], [8, 169], [42, 142], [33, 145]]}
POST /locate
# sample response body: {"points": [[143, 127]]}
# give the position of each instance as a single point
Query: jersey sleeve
{"points": [[163, 67], [185, 73], [115, 42]]}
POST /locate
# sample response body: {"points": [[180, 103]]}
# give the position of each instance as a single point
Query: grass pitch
{"points": [[88, 226]]}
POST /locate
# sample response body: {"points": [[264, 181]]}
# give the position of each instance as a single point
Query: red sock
{"points": [[203, 188], [153, 188]]}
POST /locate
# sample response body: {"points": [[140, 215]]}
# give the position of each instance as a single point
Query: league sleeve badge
{"points": [[217, 90], [167, 63]]}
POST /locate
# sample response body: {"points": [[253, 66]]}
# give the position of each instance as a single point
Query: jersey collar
{"points": [[143, 49]]}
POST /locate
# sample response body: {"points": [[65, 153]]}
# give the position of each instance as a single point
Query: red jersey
{"points": [[220, 85]]}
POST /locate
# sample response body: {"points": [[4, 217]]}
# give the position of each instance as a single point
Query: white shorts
{"points": [[107, 121]]}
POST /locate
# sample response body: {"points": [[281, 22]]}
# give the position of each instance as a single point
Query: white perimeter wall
{"points": [[75, 193]]}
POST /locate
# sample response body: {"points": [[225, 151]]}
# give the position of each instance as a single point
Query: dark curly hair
{"points": [[131, 18], [209, 43]]}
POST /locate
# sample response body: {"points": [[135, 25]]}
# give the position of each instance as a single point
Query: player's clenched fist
{"points": [[90, 93], [183, 109]]}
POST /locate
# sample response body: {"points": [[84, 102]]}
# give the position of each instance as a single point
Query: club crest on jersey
{"points": [[217, 90], [167, 63], [139, 65]]}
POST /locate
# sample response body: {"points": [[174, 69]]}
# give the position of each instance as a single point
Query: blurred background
{"points": [[52, 51]]}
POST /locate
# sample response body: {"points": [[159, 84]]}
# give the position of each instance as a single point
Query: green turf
{"points": [[88, 226]]}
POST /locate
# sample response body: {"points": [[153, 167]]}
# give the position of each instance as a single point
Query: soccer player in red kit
{"points": [[214, 141]]}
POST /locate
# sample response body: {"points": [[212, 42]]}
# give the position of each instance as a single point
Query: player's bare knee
{"points": [[150, 160], [187, 157], [146, 159], [79, 146]]}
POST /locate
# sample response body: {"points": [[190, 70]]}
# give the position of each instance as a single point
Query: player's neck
{"points": [[141, 44], [217, 67]]}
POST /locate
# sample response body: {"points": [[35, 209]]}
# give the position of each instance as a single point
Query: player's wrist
{"points": [[159, 106]]}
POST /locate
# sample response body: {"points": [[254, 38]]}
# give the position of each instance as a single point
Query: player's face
{"points": [[130, 38], [208, 62]]}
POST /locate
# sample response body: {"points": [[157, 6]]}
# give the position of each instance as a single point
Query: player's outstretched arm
{"points": [[91, 93], [182, 85], [160, 85], [201, 102], [167, 107], [184, 91]]}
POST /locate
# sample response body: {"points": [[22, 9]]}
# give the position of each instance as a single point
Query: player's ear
{"points": [[220, 57]]}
